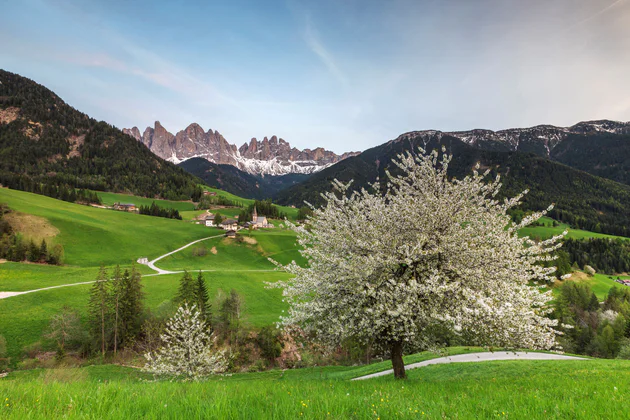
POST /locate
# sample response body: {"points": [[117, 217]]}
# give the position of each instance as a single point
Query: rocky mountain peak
{"points": [[273, 155]]}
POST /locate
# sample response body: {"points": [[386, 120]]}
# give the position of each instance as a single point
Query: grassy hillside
{"points": [[549, 230], [93, 236], [109, 199], [507, 389]]}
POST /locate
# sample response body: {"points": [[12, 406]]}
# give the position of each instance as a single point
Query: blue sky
{"points": [[345, 75]]}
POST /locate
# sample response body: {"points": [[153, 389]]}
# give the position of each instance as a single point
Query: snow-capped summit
{"points": [[267, 157]]}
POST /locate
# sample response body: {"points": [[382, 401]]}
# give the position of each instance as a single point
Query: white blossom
{"points": [[431, 250], [187, 349]]}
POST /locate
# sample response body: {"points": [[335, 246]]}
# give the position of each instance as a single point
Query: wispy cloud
{"points": [[596, 14], [311, 37]]}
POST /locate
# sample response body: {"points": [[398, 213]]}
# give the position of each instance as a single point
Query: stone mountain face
{"points": [[541, 139], [267, 157]]}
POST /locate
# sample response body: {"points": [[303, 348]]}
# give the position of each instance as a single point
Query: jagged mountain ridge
{"points": [[271, 156], [540, 139]]}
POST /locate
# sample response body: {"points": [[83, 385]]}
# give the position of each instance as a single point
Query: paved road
{"points": [[478, 357], [151, 264]]}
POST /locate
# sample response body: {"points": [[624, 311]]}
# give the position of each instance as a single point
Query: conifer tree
{"points": [[99, 308], [115, 298], [132, 306], [201, 298], [43, 251], [187, 290]]}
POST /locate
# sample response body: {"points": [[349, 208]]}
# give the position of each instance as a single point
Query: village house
{"points": [[625, 282], [230, 234], [125, 206], [229, 224], [209, 220], [210, 193]]}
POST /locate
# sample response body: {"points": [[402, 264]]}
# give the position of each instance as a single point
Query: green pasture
{"points": [[548, 230], [594, 389], [109, 199], [93, 236]]}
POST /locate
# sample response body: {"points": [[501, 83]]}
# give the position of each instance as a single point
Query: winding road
{"points": [[477, 357], [150, 264]]}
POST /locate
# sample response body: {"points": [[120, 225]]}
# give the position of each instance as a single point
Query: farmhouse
{"points": [[210, 193], [625, 282], [209, 220], [229, 224], [125, 206], [230, 234]]}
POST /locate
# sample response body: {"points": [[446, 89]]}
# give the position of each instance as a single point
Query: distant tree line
{"points": [[210, 201], [155, 210], [605, 255], [263, 208]]}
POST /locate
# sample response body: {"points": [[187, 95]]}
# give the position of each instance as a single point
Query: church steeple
{"points": [[254, 215]]}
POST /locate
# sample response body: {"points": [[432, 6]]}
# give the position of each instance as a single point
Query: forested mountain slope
{"points": [[582, 200], [241, 183], [46, 144]]}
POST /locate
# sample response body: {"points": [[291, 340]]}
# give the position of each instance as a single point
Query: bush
{"points": [[624, 350], [200, 251], [27, 364]]}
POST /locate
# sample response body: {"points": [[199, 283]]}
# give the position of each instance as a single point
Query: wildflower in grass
{"points": [[431, 252], [187, 348]]}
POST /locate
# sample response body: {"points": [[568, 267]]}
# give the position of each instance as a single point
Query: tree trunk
{"points": [[397, 360], [103, 329]]}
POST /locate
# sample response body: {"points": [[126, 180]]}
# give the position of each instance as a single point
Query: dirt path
{"points": [[150, 264], [477, 357]]}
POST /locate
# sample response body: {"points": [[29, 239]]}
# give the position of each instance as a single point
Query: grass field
{"points": [[547, 231], [109, 199], [93, 236], [594, 389]]}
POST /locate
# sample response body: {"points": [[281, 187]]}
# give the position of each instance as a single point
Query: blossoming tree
{"points": [[430, 251], [187, 348]]}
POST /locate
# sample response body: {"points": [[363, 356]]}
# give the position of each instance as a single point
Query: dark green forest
{"points": [[51, 144], [581, 200]]}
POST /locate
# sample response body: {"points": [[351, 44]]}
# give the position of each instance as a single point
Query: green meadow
{"points": [[594, 389], [93, 236], [109, 199], [549, 230]]}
